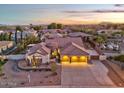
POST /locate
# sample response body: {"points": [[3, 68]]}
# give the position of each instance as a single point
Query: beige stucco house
{"points": [[39, 51]]}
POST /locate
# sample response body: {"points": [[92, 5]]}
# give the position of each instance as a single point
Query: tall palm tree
{"points": [[10, 36], [18, 28], [16, 34], [21, 35]]}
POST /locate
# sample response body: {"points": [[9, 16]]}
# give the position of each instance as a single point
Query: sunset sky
{"points": [[61, 13]]}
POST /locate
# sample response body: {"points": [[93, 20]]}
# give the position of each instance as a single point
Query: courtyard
{"points": [[15, 77]]}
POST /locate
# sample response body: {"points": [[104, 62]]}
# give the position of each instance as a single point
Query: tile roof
{"points": [[68, 45], [77, 34], [39, 48], [74, 49], [62, 42]]}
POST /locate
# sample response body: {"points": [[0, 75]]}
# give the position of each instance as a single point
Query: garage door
{"points": [[79, 59], [74, 59], [83, 59], [65, 59]]}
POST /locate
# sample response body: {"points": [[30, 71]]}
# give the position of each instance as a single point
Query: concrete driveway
{"points": [[85, 75]]}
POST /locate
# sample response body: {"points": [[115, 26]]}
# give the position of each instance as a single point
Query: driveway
{"points": [[85, 75]]}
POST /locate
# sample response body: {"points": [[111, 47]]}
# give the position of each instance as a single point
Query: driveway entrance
{"points": [[85, 75]]}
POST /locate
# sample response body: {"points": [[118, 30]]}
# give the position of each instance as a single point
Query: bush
{"points": [[53, 68], [119, 58], [110, 58]]}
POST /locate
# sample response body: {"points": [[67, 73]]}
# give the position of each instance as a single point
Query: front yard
{"points": [[20, 78]]}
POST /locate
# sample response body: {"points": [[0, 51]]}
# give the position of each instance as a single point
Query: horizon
{"points": [[68, 14]]}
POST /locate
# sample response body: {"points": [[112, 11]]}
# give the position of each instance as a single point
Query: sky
{"points": [[14, 14]]}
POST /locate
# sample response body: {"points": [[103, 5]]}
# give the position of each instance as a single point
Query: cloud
{"points": [[107, 11], [93, 11], [119, 5]]}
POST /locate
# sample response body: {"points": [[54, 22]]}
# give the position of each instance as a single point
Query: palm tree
{"points": [[21, 35], [10, 36], [18, 28], [16, 35]]}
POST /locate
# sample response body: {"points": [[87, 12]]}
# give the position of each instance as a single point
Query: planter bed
{"points": [[27, 68]]}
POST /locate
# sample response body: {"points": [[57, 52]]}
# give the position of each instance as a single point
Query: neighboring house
{"points": [[1, 31], [107, 31], [79, 34], [24, 34], [83, 35], [54, 35], [39, 51], [55, 31], [4, 45]]}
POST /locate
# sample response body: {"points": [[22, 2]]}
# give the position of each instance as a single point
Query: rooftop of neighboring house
{"points": [[5, 43], [39, 48], [109, 30], [55, 35], [54, 30], [77, 34], [1, 31]]}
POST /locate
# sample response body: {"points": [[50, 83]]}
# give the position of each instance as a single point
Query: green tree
{"points": [[99, 39], [59, 26], [18, 28], [37, 28], [10, 36], [54, 26]]}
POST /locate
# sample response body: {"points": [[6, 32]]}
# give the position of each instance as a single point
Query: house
{"points": [[62, 42], [55, 30], [39, 51], [107, 31], [71, 49], [74, 53], [79, 34], [1, 31], [83, 35], [54, 35], [24, 34], [4, 45]]}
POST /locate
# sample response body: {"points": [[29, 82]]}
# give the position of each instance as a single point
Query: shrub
{"points": [[119, 58], [53, 67]]}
